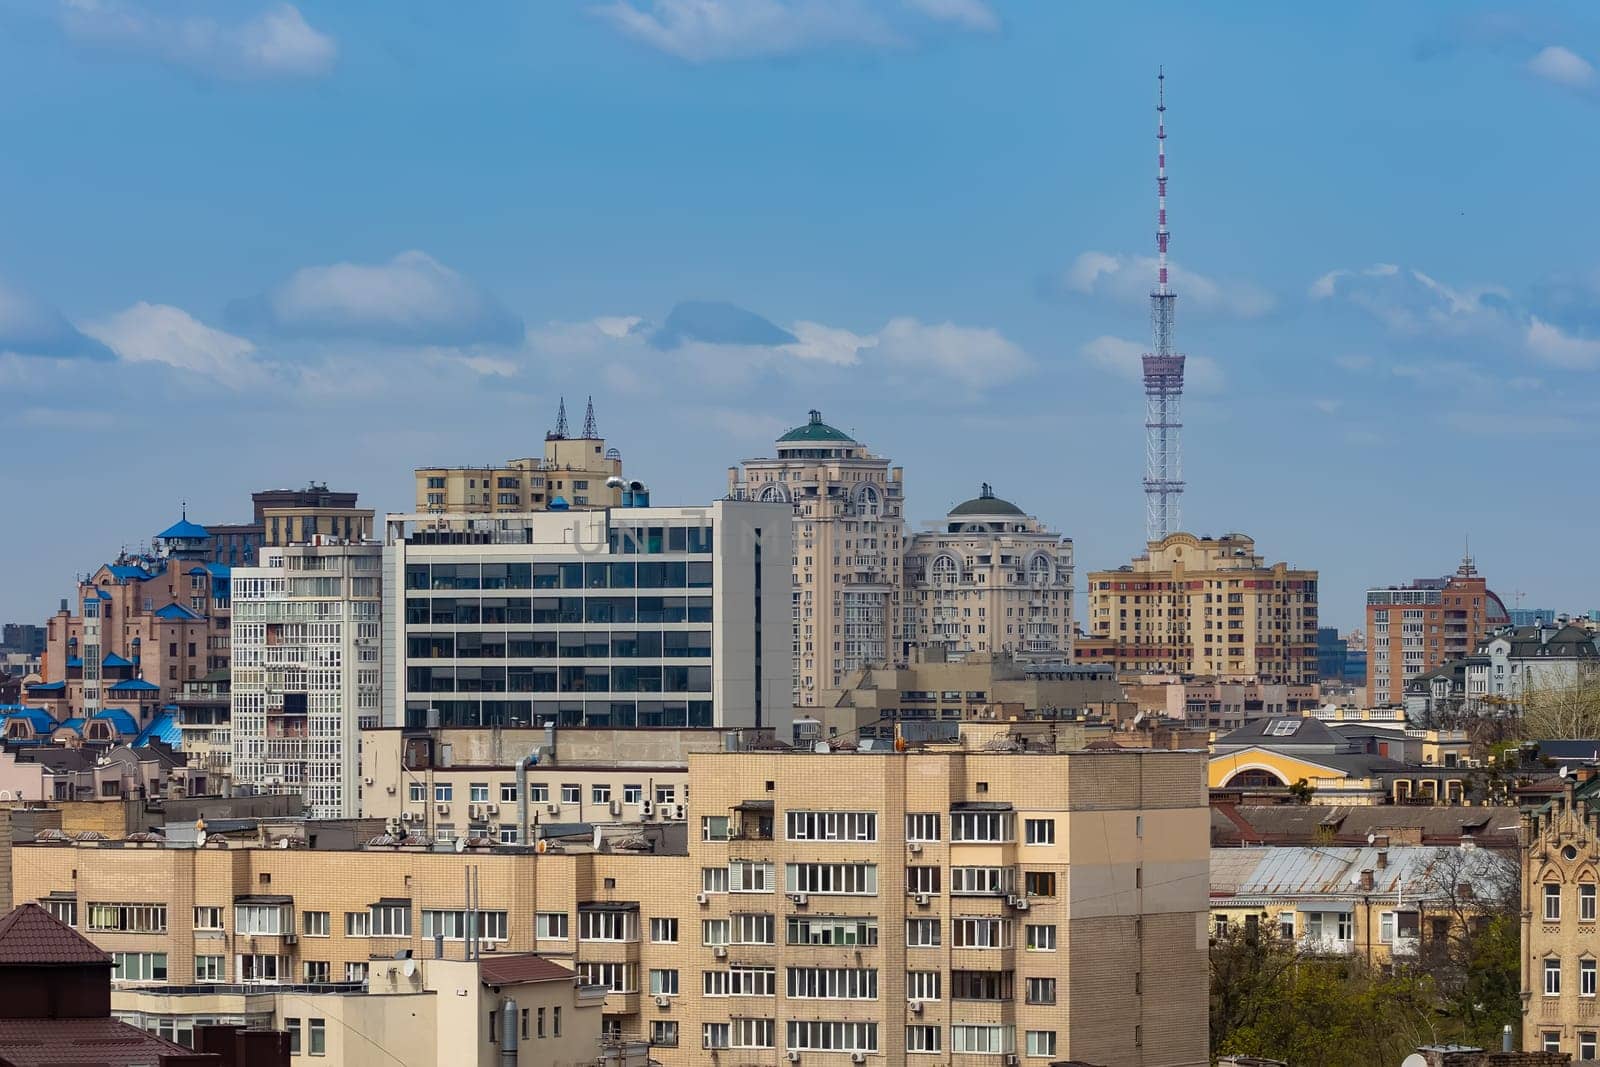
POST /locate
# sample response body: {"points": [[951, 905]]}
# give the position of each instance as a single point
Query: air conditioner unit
{"points": [[494, 809], [702, 898], [793, 1057], [366, 781], [406, 816], [720, 951], [798, 898], [858, 1057], [646, 808], [553, 809], [474, 811], [662, 1002], [924, 899], [616, 808], [914, 847], [1011, 901], [916, 1007], [1022, 903], [289, 939], [1012, 1061], [680, 811], [443, 809]]}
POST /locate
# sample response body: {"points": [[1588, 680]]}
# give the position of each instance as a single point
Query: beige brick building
{"points": [[574, 469], [1560, 918], [951, 905], [849, 532], [1208, 606], [991, 578]]}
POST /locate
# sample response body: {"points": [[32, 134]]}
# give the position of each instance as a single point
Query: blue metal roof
{"points": [[127, 572], [75, 661], [163, 728], [120, 720], [183, 528], [46, 687], [38, 718], [102, 594], [114, 660], [219, 570], [134, 685], [178, 611], [74, 724]]}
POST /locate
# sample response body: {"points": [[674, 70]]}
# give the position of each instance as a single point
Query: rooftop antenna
{"points": [[1163, 368], [590, 431], [560, 432]]}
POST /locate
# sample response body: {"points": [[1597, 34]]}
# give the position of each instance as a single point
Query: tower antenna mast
{"points": [[1163, 368]]}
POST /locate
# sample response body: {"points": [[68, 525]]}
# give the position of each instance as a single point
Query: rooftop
{"points": [[816, 430], [986, 503], [32, 937]]}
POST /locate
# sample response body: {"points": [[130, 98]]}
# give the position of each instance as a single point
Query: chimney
{"points": [[1366, 881], [1383, 858]]}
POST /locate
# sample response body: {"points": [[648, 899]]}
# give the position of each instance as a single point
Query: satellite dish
{"points": [[542, 846], [1372, 839], [409, 968], [199, 839], [283, 842], [1414, 1060], [461, 844]]}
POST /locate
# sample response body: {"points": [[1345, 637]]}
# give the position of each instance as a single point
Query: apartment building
{"points": [[573, 472], [849, 546], [1415, 628], [281, 516], [641, 616], [991, 578], [1560, 984], [948, 904], [306, 670], [1208, 606]]}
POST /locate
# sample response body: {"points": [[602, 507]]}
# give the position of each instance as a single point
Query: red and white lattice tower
{"points": [[1163, 370]]}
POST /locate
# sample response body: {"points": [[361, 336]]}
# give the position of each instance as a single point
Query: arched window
{"points": [[1039, 570], [945, 570], [773, 493], [1255, 778], [868, 503]]}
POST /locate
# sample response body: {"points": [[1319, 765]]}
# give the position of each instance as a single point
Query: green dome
{"points": [[986, 503], [816, 430]]}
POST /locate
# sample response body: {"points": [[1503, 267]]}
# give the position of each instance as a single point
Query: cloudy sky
{"points": [[250, 244]]}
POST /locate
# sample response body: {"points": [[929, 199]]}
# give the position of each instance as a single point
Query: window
{"points": [[129, 918], [551, 925], [714, 879], [663, 1032], [595, 925], [316, 923], [1587, 1046], [990, 1039], [923, 826], [716, 1035], [318, 972], [417, 792], [208, 918], [139, 966], [833, 983], [1041, 991], [210, 969], [985, 881], [443, 792], [990, 826], [982, 932], [714, 931], [317, 1037], [1586, 978], [1586, 902], [1386, 927], [922, 985], [753, 928], [258, 919], [1286, 925], [835, 930], [508, 792], [357, 971], [922, 933], [745, 876], [260, 968], [1552, 1041], [664, 983], [1040, 883], [293, 1026], [831, 825], [713, 828], [922, 880], [851, 879], [662, 931], [1041, 938], [538, 793], [357, 924], [452, 925], [65, 911], [600, 794], [617, 977], [634, 794], [1552, 902], [1040, 831], [393, 920], [571, 793], [1041, 1043], [827, 1036], [922, 1039], [1552, 978]]}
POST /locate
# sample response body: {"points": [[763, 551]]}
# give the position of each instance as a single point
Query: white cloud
{"points": [[827, 344], [969, 14], [1410, 302], [743, 425], [275, 43], [160, 333], [1124, 358], [411, 299], [974, 356], [1327, 405], [1551, 344], [1128, 279], [701, 31], [1563, 67]]}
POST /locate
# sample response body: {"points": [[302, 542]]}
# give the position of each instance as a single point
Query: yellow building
{"points": [[849, 531], [1560, 878], [1208, 606], [955, 904], [1269, 755], [573, 470]]}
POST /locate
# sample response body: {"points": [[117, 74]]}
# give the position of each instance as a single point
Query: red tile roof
{"points": [[31, 936], [516, 970], [101, 1042]]}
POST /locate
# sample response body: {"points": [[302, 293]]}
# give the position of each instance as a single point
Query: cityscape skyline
{"points": [[426, 271]]}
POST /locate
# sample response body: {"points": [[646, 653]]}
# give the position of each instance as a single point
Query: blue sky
{"points": [[249, 244]]}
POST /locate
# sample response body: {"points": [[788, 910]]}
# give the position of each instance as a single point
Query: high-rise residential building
{"points": [[642, 616], [849, 536], [1208, 606], [574, 472], [1412, 629], [990, 578], [962, 903], [314, 509], [306, 670], [22, 637]]}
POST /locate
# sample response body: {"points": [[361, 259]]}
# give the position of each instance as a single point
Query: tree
{"points": [[1562, 708], [1475, 966], [1302, 791]]}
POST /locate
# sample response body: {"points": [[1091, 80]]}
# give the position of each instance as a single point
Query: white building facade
{"points": [[665, 617], [306, 671]]}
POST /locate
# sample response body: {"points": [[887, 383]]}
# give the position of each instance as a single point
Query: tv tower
{"points": [[1163, 369]]}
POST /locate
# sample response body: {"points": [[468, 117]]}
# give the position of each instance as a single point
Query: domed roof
{"points": [[986, 503], [183, 529], [816, 430]]}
